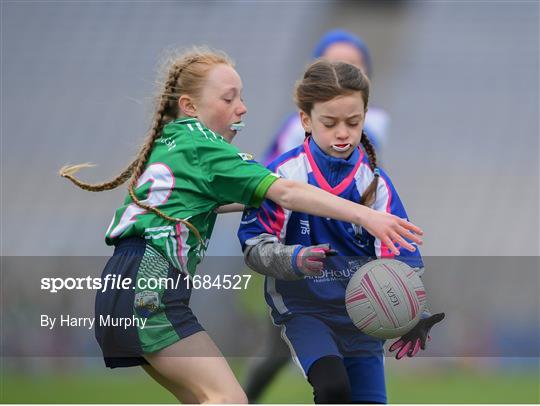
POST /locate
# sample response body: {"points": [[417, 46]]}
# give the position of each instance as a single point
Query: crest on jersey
{"points": [[246, 157]]}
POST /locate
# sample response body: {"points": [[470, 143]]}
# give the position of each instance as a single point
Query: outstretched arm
{"points": [[302, 197]]}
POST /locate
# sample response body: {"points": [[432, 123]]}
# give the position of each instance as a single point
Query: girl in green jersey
{"points": [[185, 170]]}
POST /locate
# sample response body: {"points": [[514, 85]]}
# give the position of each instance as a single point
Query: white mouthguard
{"points": [[341, 149], [237, 126]]}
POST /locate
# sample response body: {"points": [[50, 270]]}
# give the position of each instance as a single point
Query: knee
{"points": [[332, 391], [236, 396], [239, 397]]}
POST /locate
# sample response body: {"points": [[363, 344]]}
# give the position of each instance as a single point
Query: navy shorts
{"points": [[311, 338], [146, 315]]}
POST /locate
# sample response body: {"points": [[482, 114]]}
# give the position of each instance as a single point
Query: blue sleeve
{"points": [[269, 218]]}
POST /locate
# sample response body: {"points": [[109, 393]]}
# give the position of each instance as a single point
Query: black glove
{"points": [[415, 339]]}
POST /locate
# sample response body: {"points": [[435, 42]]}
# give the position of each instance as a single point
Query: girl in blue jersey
{"points": [[305, 287], [198, 113], [335, 45]]}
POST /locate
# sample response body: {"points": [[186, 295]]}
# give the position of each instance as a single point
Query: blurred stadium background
{"points": [[460, 81]]}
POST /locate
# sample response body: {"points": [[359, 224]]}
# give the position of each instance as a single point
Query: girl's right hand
{"points": [[392, 230], [309, 260]]}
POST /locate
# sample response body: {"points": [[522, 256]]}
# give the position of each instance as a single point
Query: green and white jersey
{"points": [[191, 171]]}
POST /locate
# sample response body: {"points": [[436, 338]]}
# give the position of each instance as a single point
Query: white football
{"points": [[385, 298]]}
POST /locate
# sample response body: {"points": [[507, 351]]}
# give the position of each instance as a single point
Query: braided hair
{"points": [[186, 74], [370, 194]]}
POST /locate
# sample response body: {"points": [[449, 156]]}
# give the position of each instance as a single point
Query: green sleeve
{"points": [[261, 190], [231, 176]]}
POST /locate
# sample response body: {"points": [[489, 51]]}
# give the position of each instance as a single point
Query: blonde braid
{"points": [[69, 170], [165, 110]]}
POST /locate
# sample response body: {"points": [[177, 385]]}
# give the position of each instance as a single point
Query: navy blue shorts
{"points": [[149, 314], [311, 338]]}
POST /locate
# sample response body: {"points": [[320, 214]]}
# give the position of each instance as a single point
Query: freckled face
{"points": [[220, 103]]}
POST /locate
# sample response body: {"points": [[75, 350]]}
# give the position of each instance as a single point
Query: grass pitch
{"points": [[133, 386]]}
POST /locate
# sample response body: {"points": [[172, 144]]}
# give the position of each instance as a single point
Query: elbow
{"points": [[248, 258], [285, 193]]}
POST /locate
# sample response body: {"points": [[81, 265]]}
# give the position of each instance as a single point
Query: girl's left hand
{"points": [[415, 339], [391, 230]]}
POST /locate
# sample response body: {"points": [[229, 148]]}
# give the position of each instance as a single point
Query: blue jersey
{"points": [[347, 178]]}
